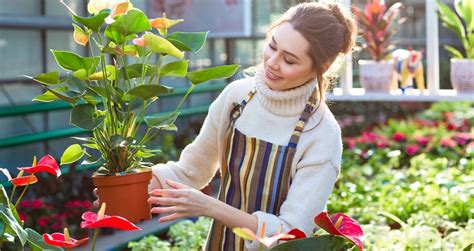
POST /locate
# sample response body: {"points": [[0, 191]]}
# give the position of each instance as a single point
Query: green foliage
{"points": [[184, 235]]}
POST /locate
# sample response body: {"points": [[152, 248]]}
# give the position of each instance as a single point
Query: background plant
{"points": [[461, 22], [378, 24]]}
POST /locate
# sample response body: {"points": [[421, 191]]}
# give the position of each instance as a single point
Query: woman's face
{"points": [[285, 59]]}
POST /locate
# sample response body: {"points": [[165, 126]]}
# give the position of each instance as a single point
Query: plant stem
{"points": [[94, 238], [184, 98], [13, 191], [21, 195]]}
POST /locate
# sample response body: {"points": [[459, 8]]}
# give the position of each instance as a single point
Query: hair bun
{"points": [[348, 22]]}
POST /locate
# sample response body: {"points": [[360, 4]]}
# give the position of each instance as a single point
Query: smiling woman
{"points": [[275, 142]]}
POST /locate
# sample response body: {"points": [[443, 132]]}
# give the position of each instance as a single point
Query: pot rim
{"points": [[370, 61], [462, 60]]}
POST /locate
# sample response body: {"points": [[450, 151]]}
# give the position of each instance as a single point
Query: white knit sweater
{"points": [[270, 116]]}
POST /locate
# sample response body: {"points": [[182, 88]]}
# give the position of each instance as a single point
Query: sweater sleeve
{"points": [[315, 176], [199, 160]]}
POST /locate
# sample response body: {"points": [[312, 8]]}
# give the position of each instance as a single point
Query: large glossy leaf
{"points": [[455, 53], [68, 96], [127, 25], [322, 243], [36, 242], [9, 219], [214, 73], [95, 22], [72, 154], [188, 41], [75, 85], [163, 122], [175, 69], [84, 116], [451, 20], [50, 78], [150, 91], [73, 62], [158, 44], [465, 9], [45, 97]]}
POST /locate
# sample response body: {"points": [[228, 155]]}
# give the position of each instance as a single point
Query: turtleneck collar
{"points": [[286, 103]]}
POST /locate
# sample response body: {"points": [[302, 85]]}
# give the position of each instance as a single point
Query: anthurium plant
{"points": [[378, 24], [111, 90], [12, 229], [344, 233], [461, 22]]}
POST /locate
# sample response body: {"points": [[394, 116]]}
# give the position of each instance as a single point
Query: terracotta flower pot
{"points": [[376, 76], [462, 75], [125, 195]]}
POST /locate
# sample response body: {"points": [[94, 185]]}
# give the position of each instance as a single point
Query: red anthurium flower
{"points": [[63, 240], [296, 233], [24, 180], [46, 164], [341, 225], [93, 220]]}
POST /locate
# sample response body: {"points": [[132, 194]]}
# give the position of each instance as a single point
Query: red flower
{"points": [[294, 234], [463, 138], [46, 164], [42, 221], [341, 225], [62, 240], [24, 180], [412, 149], [93, 220], [398, 136], [447, 142]]}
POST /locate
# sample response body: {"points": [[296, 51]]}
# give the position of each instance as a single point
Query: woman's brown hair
{"points": [[329, 29]]}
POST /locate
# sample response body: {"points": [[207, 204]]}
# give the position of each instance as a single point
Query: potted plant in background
{"points": [[378, 24], [111, 91], [462, 24]]}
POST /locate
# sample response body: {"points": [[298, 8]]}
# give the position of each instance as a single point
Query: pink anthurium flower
{"points": [[139, 41], [63, 240], [46, 164], [24, 180], [93, 220], [341, 225]]}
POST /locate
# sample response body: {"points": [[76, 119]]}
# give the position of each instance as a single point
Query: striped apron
{"points": [[255, 174]]}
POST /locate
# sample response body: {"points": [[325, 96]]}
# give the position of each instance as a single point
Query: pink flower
{"points": [[139, 41], [56, 226], [447, 142], [380, 144], [37, 204], [42, 221], [462, 138], [341, 225], [398, 136], [422, 140], [412, 149]]}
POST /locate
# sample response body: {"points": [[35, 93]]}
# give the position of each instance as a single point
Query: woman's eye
{"points": [[288, 62], [271, 47]]}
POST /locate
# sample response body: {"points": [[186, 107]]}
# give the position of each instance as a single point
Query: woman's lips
{"points": [[271, 76]]}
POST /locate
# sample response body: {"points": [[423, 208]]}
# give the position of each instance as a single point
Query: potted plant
{"points": [[461, 22], [111, 90], [377, 25]]}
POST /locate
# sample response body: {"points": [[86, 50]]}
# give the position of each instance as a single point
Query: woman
{"points": [[275, 142]]}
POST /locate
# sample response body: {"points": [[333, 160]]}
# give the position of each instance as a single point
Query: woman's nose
{"points": [[272, 62]]}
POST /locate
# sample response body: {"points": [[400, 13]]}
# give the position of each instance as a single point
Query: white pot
{"points": [[376, 76], [462, 75]]}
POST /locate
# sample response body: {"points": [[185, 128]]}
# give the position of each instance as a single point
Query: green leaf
{"points": [[98, 90], [91, 161], [244, 234], [72, 154], [68, 96], [469, 247], [75, 85], [453, 51], [9, 219], [158, 44], [126, 26], [37, 243], [73, 62], [163, 122], [85, 139], [4, 197], [150, 91], [50, 78], [175, 69], [95, 22], [117, 141], [318, 243], [84, 116], [451, 20], [465, 9], [135, 71], [188, 41], [45, 97], [214, 73]]}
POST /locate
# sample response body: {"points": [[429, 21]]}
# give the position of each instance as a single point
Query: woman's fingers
{"points": [[171, 217], [164, 201], [170, 192], [176, 185], [96, 202], [164, 210]]}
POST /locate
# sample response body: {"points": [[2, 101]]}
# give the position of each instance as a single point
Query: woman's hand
{"points": [[180, 201]]}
